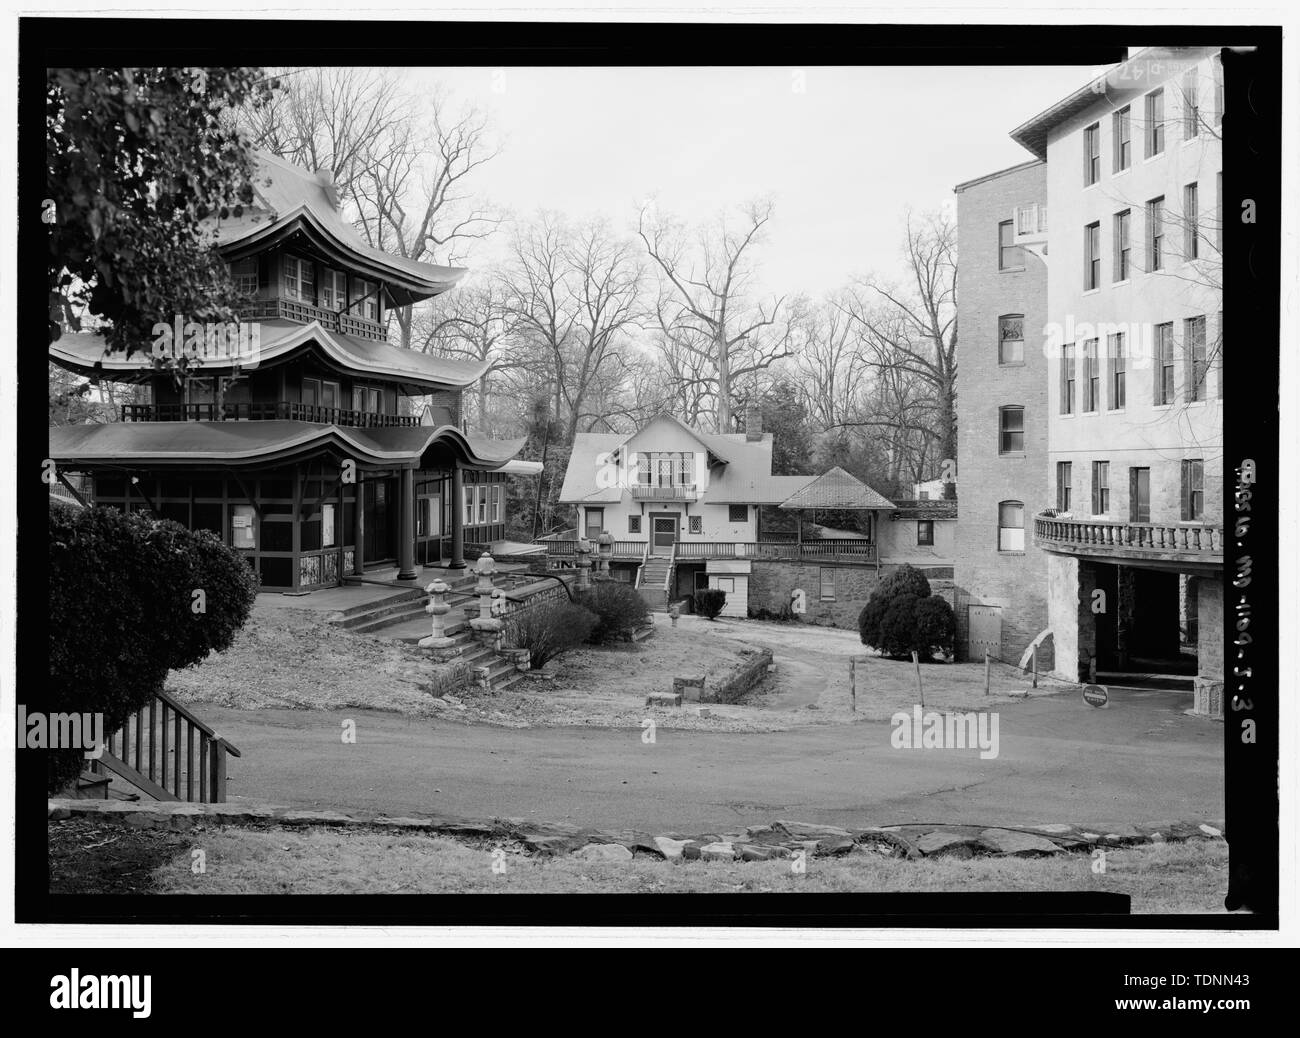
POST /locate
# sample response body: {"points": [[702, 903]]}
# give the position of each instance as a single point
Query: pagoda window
{"points": [[333, 289], [364, 299], [367, 399], [299, 279], [244, 275]]}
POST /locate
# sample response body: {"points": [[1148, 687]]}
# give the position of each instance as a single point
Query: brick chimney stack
{"points": [[753, 422]]}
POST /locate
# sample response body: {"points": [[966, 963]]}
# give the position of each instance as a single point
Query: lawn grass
{"points": [[1162, 878]]}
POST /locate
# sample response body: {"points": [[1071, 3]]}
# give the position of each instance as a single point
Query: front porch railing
{"points": [[839, 549]]}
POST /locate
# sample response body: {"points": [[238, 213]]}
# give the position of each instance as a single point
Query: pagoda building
{"points": [[287, 435]]}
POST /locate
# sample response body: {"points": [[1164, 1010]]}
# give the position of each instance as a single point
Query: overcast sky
{"points": [[842, 159]]}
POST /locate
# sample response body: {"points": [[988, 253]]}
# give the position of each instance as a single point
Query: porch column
{"points": [[406, 527], [359, 528], [457, 519]]}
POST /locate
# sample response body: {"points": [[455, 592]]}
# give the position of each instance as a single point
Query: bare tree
{"points": [[914, 327], [705, 306]]}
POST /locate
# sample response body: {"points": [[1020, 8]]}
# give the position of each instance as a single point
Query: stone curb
{"points": [[781, 839]]}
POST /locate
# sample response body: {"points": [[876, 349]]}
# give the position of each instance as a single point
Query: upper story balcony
{"points": [[264, 412], [1030, 226], [650, 492], [1179, 546], [282, 308]]}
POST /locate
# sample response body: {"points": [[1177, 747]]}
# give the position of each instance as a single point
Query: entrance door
{"points": [[376, 520], [665, 533], [1139, 495], [985, 631]]}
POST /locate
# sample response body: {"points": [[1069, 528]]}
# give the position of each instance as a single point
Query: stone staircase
{"points": [[652, 582]]}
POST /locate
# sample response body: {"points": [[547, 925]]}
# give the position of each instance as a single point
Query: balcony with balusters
{"points": [[1182, 546]]}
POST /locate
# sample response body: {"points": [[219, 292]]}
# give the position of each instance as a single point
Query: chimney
{"points": [[753, 422]]}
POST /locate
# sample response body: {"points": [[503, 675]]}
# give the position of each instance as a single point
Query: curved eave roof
{"points": [[84, 352], [409, 280], [236, 443]]}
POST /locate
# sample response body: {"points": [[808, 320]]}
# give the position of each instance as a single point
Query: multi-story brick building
{"points": [[1134, 390], [1000, 572]]}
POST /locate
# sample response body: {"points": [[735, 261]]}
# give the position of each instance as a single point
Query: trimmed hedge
{"points": [[131, 598], [902, 617], [709, 602], [619, 609]]}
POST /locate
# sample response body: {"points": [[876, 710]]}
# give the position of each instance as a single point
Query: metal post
{"points": [[919, 690], [986, 673], [1035, 666]]}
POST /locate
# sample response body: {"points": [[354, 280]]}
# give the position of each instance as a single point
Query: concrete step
{"points": [[356, 615]]}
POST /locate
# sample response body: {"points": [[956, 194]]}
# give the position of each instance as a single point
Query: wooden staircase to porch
{"points": [[167, 753], [653, 580]]}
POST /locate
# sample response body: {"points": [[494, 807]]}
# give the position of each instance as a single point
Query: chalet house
{"points": [[683, 509], [301, 436]]}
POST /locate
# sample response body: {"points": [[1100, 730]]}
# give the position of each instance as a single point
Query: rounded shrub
{"points": [[619, 609], [902, 617], [709, 602], [131, 598]]}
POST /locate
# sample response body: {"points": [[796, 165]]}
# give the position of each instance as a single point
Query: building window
{"points": [[1155, 128], [1010, 255], [1092, 257], [1092, 154], [674, 469], [1218, 358], [1194, 349], [497, 503], [1164, 368], [244, 275], [1193, 490], [1067, 379], [1011, 430], [1091, 377], [333, 290], [1217, 65], [1100, 487], [826, 580], [1155, 233], [1063, 486], [365, 300], [633, 524], [1191, 223], [1121, 138], [1011, 526], [727, 584], [367, 400], [695, 524], [595, 523], [925, 532], [1115, 348], [299, 280], [1123, 245], [738, 513], [1011, 339], [1191, 104]]}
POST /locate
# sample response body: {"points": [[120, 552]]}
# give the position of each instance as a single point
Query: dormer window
{"points": [[299, 279], [333, 290]]}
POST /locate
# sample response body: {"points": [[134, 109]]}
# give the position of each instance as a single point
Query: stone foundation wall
{"points": [[771, 584], [751, 670]]}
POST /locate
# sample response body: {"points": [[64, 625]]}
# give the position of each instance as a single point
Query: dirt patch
{"points": [[292, 658], [90, 858]]}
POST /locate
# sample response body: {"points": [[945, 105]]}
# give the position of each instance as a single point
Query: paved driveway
{"points": [[1139, 759]]}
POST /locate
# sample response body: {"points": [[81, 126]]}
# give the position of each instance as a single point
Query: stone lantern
{"points": [[606, 548], [437, 610], [484, 569], [584, 562]]}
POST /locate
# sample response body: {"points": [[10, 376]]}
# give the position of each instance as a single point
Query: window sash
{"points": [[1091, 154], [1155, 233], [1191, 222], [1067, 380], [1100, 487], [1063, 486], [1155, 129], [1011, 339], [1191, 104], [1011, 430], [1123, 247], [1118, 364], [1123, 144], [1011, 526], [925, 532]]}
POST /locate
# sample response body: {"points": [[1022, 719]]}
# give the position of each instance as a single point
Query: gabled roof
{"points": [[745, 488], [163, 443], [836, 489], [81, 351], [292, 199], [718, 445]]}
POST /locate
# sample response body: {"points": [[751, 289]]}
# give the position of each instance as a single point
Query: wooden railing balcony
{"points": [[649, 492], [1172, 542], [281, 308], [263, 412], [569, 549]]}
